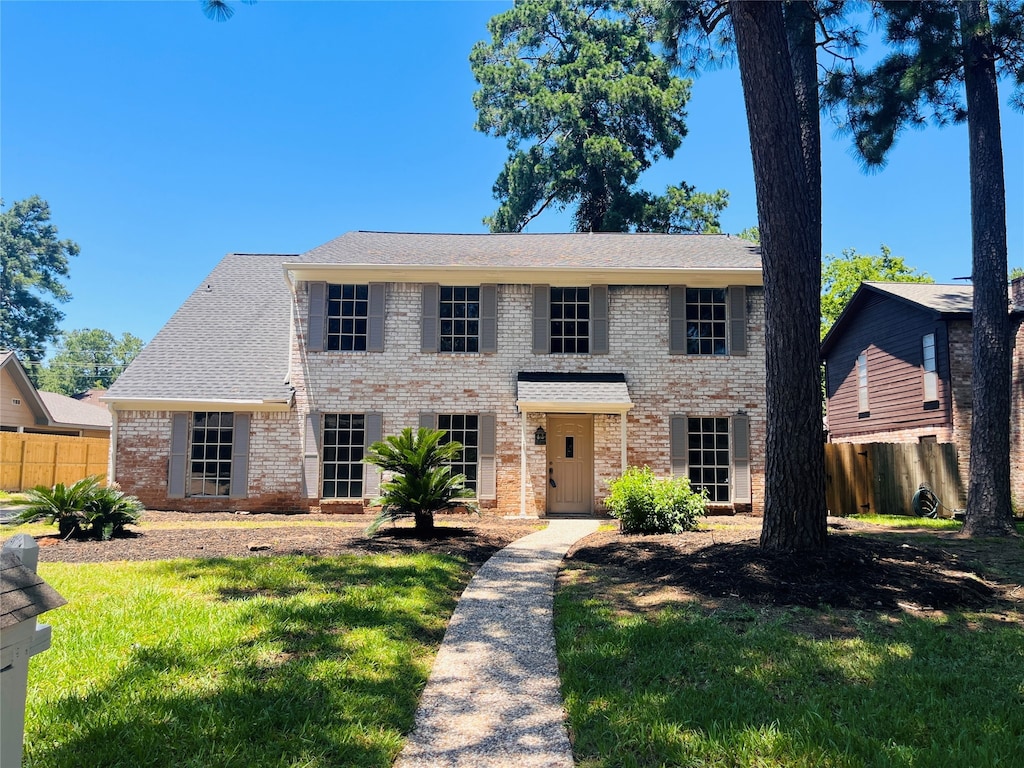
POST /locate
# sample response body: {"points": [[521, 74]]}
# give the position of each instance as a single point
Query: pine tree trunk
{"points": [[787, 179], [988, 490]]}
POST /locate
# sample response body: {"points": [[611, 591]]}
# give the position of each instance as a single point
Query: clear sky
{"points": [[163, 140]]}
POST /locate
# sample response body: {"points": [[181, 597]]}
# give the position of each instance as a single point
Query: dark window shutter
{"points": [[677, 319], [375, 319], [487, 486], [176, 468], [311, 456], [373, 433], [599, 319], [240, 456], [741, 459], [677, 445], [737, 320], [428, 420], [488, 319], [541, 319], [317, 313], [428, 327]]}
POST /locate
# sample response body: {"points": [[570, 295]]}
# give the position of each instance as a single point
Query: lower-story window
{"points": [[210, 468], [464, 429], [708, 456], [344, 435]]}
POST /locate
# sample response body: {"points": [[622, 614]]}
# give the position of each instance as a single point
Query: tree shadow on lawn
{"points": [[322, 665]]}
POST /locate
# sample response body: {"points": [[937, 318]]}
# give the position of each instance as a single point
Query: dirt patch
{"points": [[864, 567], [166, 535]]}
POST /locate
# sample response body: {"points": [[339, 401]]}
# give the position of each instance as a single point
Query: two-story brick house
{"points": [[898, 365], [556, 360]]}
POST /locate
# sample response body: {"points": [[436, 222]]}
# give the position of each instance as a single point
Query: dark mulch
{"points": [[166, 535], [862, 568]]}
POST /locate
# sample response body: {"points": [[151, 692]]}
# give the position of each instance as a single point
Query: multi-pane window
{"points": [[460, 318], [347, 312], [862, 383], [570, 320], [706, 321], [210, 467], [931, 377], [464, 429], [343, 440], [708, 456]]}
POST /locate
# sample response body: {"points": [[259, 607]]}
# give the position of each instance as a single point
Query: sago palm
{"points": [[422, 482]]}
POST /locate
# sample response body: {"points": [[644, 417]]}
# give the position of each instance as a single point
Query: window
{"points": [[343, 440], [570, 320], [708, 456], [460, 319], [706, 321], [465, 429], [347, 316], [862, 383], [210, 468], [931, 378]]}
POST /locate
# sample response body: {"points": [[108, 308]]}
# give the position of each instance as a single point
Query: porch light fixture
{"points": [[540, 437]]}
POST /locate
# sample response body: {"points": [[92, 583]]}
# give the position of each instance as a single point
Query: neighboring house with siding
{"points": [[23, 408], [898, 369], [556, 360]]}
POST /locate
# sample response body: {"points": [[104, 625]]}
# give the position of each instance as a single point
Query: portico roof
{"points": [[543, 392]]}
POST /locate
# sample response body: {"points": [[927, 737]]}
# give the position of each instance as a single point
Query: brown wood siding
{"points": [[891, 333]]}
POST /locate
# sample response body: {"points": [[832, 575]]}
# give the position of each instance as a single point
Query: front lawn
{"points": [[670, 665], [284, 661]]}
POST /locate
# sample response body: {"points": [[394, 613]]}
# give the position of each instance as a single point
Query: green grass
{"points": [[788, 688], [287, 661], [906, 521]]}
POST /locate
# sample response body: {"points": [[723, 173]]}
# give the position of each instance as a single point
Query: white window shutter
{"points": [[741, 493]]}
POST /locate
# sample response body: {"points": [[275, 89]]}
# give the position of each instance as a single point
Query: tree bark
{"points": [[787, 180], [989, 511]]}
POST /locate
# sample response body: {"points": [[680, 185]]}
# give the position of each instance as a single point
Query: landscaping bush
{"points": [[82, 508], [648, 504]]}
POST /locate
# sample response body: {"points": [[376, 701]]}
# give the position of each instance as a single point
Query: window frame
{"points": [[359, 334], [863, 401], [459, 434], [929, 372], [468, 318], [355, 467]]}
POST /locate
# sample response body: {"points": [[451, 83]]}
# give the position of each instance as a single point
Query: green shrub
{"points": [[647, 504], [110, 510], [84, 507]]}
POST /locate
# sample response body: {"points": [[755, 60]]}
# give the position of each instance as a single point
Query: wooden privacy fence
{"points": [[28, 460], [881, 478]]}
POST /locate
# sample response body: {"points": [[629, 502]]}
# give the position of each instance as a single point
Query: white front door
{"points": [[570, 464]]}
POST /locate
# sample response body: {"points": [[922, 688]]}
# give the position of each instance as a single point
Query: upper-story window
{"points": [[931, 377], [459, 315], [862, 383], [347, 315], [708, 321], [570, 320], [705, 321]]}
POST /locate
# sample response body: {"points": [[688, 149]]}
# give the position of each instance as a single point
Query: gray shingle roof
{"points": [[228, 341], [586, 251], [573, 392], [68, 411], [954, 299]]}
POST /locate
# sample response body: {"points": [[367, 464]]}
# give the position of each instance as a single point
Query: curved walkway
{"points": [[493, 698]]}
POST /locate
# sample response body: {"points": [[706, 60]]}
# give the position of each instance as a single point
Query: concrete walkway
{"points": [[493, 697]]}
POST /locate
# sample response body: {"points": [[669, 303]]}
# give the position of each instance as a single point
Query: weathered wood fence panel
{"points": [[881, 478], [28, 460]]}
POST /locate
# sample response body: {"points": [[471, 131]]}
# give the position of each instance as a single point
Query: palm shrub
{"points": [[421, 482], [62, 504], [647, 504], [110, 510]]}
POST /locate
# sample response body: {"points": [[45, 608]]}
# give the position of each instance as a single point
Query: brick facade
{"points": [[402, 382]]}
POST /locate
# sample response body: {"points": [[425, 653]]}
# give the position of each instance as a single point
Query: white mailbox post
{"points": [[23, 597]]}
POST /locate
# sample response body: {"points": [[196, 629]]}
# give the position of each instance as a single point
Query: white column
{"points": [[622, 422], [522, 463]]}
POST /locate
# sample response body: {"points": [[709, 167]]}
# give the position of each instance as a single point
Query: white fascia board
{"points": [[697, 277], [172, 404], [562, 406]]}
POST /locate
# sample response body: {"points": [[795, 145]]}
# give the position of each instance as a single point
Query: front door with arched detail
{"points": [[570, 464]]}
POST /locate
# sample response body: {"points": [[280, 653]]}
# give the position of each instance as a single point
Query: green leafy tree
{"points": [[34, 264], [1016, 272], [751, 234], [422, 482], [87, 358], [944, 63], [586, 106], [841, 276]]}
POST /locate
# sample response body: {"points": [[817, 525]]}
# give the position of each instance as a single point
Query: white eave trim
{"points": [[578, 406], [174, 404], [698, 277]]}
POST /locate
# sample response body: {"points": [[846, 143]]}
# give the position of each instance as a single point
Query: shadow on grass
{"points": [[290, 661]]}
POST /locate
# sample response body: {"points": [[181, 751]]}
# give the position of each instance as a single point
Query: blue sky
{"points": [[163, 141]]}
